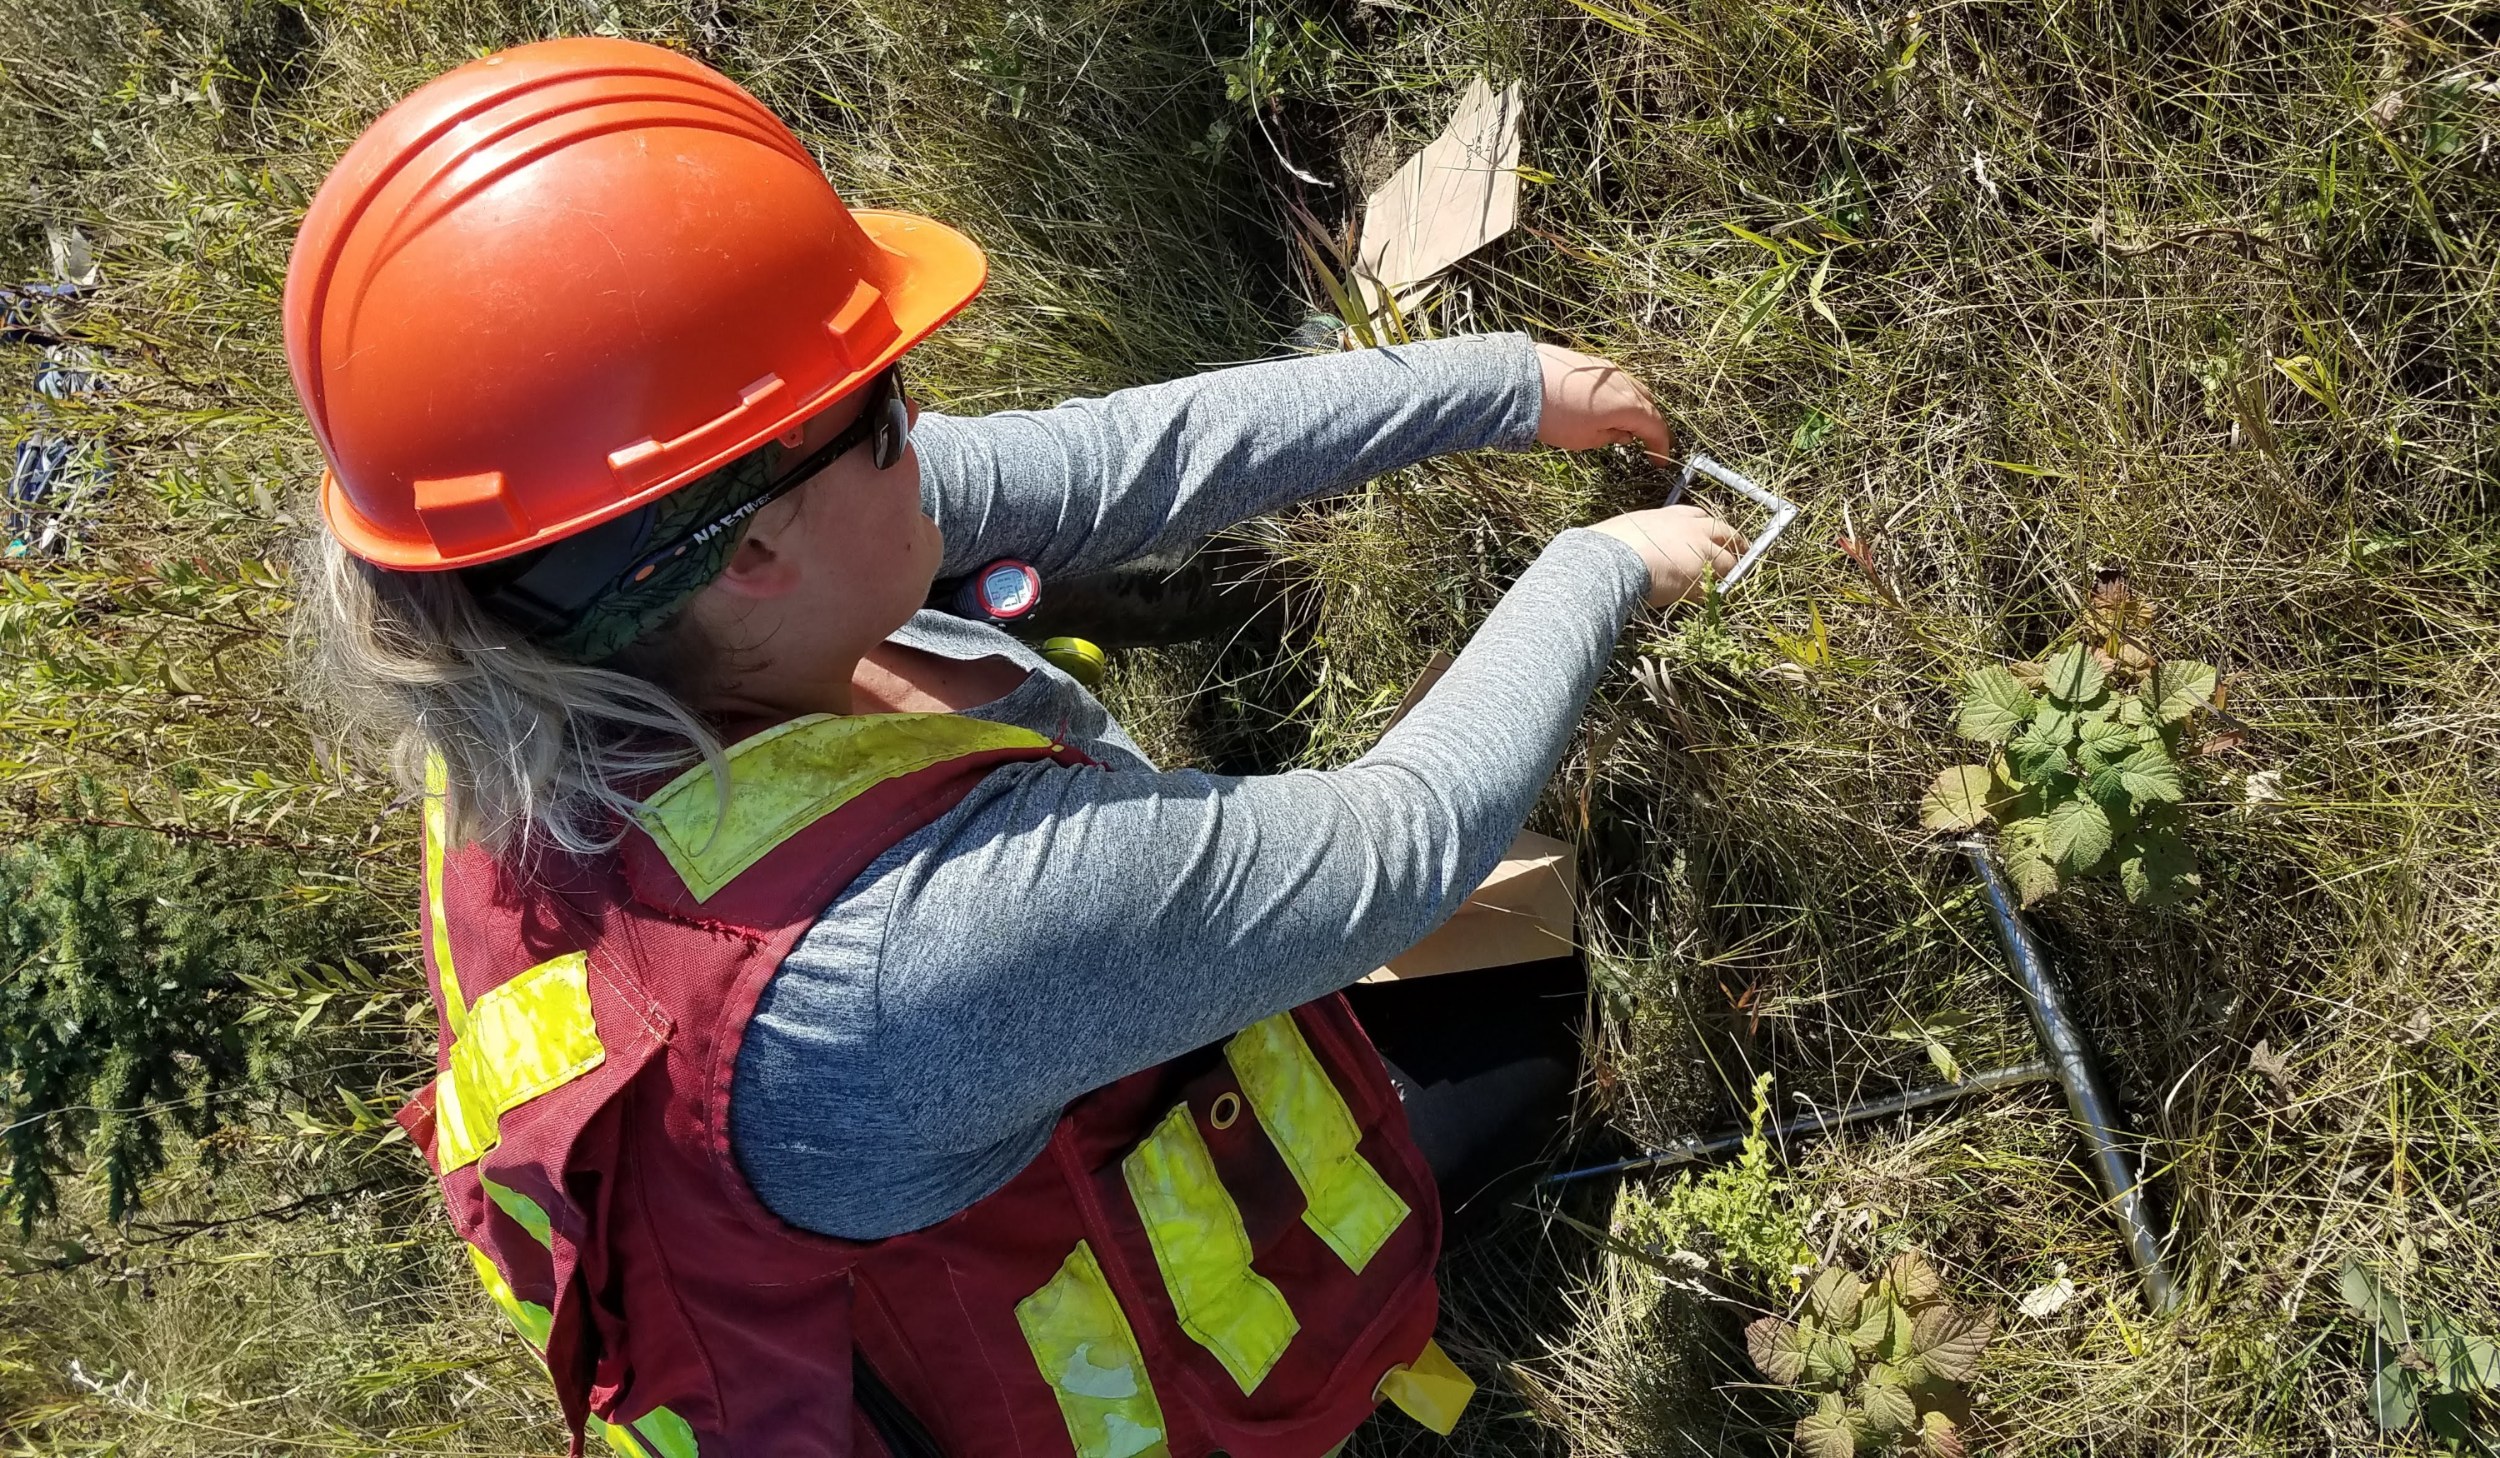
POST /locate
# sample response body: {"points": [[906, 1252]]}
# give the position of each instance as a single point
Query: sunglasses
{"points": [[545, 592]]}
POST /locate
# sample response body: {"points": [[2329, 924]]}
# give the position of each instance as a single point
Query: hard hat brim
{"points": [[932, 272]]}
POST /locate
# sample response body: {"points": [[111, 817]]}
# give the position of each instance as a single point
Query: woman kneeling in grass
{"points": [[849, 1040]]}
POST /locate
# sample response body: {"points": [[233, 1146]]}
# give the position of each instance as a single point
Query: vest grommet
{"points": [[1226, 1110]]}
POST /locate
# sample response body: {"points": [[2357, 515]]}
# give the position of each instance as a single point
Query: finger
{"points": [[1648, 429]]}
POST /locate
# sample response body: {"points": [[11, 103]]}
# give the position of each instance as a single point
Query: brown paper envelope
{"points": [[1522, 912], [1448, 200]]}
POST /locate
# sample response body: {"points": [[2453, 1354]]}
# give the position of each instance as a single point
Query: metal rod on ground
{"points": [[1690, 1149], [2097, 1117]]}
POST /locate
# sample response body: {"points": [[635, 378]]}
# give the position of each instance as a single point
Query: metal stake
{"points": [[2104, 1129]]}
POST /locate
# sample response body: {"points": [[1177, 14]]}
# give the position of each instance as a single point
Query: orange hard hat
{"points": [[562, 281]]}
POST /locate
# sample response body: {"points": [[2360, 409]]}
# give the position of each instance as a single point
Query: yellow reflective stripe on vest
{"points": [[1082, 1343], [525, 1037], [437, 834], [1204, 1253], [1348, 1204], [523, 1209], [530, 1319], [657, 1432], [793, 775], [1430, 1389]]}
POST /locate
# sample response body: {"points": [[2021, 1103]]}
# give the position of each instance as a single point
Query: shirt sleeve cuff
{"points": [[1630, 574]]}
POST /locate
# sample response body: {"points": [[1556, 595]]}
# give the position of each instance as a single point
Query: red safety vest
{"points": [[1231, 1251]]}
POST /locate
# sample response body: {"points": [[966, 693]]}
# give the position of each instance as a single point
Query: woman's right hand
{"points": [[1678, 543]]}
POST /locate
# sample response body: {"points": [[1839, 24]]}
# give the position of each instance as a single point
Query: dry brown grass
{"points": [[2200, 289]]}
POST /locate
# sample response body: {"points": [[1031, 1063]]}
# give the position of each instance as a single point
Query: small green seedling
{"points": [[2087, 777], [1886, 1360], [2422, 1364]]}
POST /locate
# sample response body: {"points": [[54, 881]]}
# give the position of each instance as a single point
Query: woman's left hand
{"points": [[1590, 402]]}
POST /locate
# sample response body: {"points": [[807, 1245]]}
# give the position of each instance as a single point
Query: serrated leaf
{"points": [[1833, 1298], [2108, 788], [2034, 757], [1994, 705], [2035, 877], [1827, 1432], [2154, 868], [1877, 1315], [1938, 1437], [1888, 1410], [2180, 687], [2103, 744], [2074, 677], [1911, 1280], [1830, 1362], [2076, 834], [1777, 1348], [1899, 1351], [1958, 800], [2132, 713], [1950, 1342], [2153, 779]]}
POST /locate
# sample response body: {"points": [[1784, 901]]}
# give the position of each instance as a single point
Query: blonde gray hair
{"points": [[537, 751]]}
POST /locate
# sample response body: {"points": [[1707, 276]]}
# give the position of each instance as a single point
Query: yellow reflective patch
{"points": [[1348, 1204], [793, 775], [525, 1037], [437, 831], [658, 1431], [530, 1319], [523, 1209], [1430, 1389], [1204, 1253], [1086, 1352], [668, 1434]]}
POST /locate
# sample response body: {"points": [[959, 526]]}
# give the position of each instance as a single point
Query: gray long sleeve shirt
{"points": [[1064, 927]]}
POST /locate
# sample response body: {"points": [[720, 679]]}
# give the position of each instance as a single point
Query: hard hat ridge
{"points": [[558, 283]]}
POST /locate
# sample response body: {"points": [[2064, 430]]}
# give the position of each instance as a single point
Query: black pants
{"points": [[1485, 1062]]}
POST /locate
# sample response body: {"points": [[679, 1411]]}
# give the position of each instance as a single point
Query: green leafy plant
{"points": [[1753, 1219], [2423, 1366], [1285, 58], [1886, 1360], [2088, 774]]}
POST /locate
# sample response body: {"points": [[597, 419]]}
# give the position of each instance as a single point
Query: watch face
{"points": [[1007, 591]]}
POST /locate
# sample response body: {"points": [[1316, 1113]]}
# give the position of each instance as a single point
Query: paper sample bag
{"points": [[1521, 913]]}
